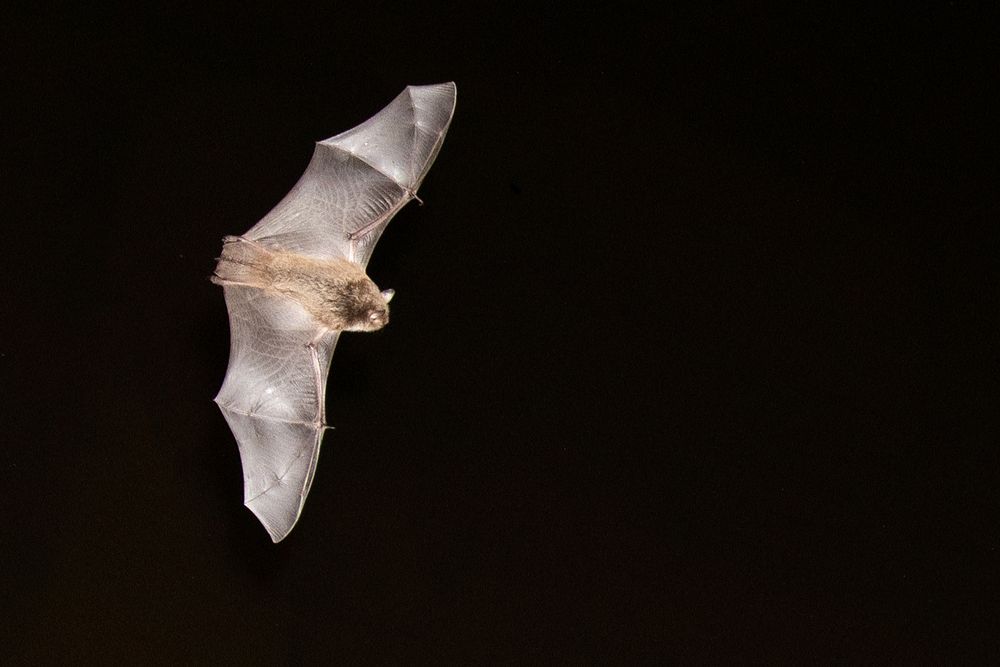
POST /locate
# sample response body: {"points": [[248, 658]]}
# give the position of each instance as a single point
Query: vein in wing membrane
{"points": [[273, 401]]}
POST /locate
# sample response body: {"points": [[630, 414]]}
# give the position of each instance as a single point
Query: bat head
{"points": [[364, 308]]}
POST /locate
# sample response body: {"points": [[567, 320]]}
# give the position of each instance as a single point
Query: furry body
{"points": [[336, 292]]}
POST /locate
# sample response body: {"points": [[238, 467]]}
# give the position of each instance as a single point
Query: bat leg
{"points": [[222, 281], [241, 239]]}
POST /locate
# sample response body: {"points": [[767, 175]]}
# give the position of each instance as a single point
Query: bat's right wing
{"points": [[358, 179], [273, 398]]}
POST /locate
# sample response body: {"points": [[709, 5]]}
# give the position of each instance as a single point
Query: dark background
{"points": [[690, 356]]}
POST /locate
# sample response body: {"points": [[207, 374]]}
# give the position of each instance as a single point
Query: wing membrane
{"points": [[357, 180], [274, 401]]}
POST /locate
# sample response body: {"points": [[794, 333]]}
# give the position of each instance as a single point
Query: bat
{"points": [[297, 279]]}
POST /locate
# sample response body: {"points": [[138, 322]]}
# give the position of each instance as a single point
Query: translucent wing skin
{"points": [[273, 398], [274, 393], [357, 180]]}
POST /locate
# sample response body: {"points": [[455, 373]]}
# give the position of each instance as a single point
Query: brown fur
{"points": [[335, 291]]}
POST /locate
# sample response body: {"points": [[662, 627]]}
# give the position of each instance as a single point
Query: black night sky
{"points": [[690, 360]]}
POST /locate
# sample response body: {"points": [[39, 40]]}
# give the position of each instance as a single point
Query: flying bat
{"points": [[297, 279]]}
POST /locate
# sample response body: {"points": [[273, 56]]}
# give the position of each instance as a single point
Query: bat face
{"points": [[360, 306], [296, 280]]}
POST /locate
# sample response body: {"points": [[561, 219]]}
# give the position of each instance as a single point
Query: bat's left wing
{"points": [[273, 398]]}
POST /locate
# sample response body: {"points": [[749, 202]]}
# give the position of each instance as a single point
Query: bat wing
{"points": [[274, 393], [357, 180], [273, 398]]}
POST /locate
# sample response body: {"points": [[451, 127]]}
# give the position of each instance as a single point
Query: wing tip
{"points": [[449, 85], [443, 84], [276, 532], [276, 536]]}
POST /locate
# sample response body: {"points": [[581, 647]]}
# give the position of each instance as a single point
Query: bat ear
{"points": [[388, 294]]}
